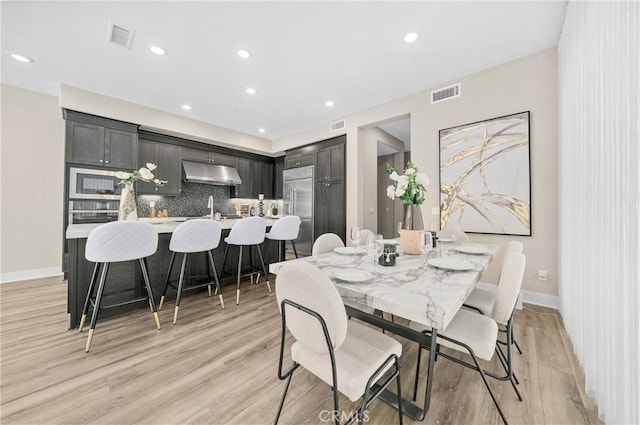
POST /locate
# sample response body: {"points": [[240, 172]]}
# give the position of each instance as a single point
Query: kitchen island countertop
{"points": [[165, 225]]}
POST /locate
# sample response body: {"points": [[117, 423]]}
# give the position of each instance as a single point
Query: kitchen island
{"points": [[125, 282]]}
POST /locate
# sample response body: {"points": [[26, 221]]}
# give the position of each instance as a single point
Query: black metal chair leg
{"points": [[180, 283], [215, 277], [486, 384], [147, 284], [286, 388], [400, 420], [87, 301], [280, 251], [166, 284], [238, 278], [295, 251], [264, 269], [224, 261], [507, 369], [96, 306]]}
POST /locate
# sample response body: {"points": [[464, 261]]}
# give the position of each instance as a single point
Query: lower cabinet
{"points": [[168, 158], [330, 213]]}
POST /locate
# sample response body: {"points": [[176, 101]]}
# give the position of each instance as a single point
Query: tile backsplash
{"points": [[193, 201]]}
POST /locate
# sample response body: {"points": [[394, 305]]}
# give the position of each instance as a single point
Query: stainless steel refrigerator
{"points": [[297, 200]]}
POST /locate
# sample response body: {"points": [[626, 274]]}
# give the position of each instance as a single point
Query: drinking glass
{"points": [[372, 249], [379, 250], [355, 236], [425, 243]]}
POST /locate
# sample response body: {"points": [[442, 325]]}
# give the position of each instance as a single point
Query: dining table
{"points": [[428, 291]]}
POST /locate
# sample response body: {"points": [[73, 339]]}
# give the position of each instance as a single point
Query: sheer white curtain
{"points": [[599, 195]]}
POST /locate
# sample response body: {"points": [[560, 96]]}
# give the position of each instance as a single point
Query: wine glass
{"points": [[425, 243], [379, 250], [355, 236], [372, 249]]}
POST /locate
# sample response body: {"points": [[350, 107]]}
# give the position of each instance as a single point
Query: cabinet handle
{"points": [[100, 161], [106, 162]]}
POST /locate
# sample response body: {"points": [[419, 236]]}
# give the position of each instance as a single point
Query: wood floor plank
{"points": [[220, 367]]}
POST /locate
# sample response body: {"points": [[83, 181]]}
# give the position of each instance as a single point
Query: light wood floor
{"points": [[220, 366]]}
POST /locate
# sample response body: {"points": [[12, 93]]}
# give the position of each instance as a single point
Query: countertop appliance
{"points": [[298, 200]]}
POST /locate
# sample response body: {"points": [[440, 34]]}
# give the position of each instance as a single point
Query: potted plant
{"points": [[128, 209], [274, 208]]}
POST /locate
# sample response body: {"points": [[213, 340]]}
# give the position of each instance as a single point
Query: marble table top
{"points": [[428, 296]]}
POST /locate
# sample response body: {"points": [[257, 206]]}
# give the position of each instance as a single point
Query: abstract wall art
{"points": [[485, 179]]}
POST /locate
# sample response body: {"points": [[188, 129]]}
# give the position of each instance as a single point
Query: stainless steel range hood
{"points": [[200, 172]]}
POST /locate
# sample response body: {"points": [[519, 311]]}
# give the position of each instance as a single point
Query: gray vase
{"points": [[412, 217]]}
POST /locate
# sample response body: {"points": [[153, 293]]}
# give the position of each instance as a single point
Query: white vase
{"points": [[128, 208]]}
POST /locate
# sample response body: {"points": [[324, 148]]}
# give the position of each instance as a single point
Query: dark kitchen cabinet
{"points": [[168, 159], [278, 169], [91, 144], [330, 213], [330, 163], [266, 179], [216, 158], [256, 176], [299, 160]]}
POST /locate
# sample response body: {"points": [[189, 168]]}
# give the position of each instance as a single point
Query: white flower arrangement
{"points": [[409, 187], [144, 174]]}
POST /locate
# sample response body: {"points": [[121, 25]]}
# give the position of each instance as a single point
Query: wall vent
{"points": [[445, 93], [337, 125], [120, 36]]}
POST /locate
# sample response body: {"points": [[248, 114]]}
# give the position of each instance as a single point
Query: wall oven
{"points": [[94, 195]]}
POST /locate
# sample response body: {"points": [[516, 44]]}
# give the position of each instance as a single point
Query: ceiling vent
{"points": [[445, 93], [120, 36], [337, 125]]}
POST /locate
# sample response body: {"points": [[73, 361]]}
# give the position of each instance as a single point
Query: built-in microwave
{"points": [[89, 183]]}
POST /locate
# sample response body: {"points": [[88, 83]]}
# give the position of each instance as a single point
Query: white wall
{"points": [[32, 180], [162, 122], [525, 84]]}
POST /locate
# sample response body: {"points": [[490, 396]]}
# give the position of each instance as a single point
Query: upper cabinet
{"points": [[256, 176], [168, 159], [97, 145], [299, 160], [199, 155], [330, 163], [278, 169]]}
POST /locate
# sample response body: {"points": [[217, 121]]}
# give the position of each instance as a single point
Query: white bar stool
{"points": [[115, 242], [285, 229], [202, 235], [249, 231]]}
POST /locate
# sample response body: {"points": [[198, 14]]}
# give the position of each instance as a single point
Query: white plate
{"points": [[391, 241], [470, 249], [450, 263], [446, 240], [349, 250], [353, 275]]}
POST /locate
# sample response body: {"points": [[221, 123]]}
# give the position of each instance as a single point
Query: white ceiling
{"points": [[303, 53]]}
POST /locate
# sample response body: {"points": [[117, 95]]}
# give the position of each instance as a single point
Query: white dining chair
{"points": [[365, 236], [111, 243], [473, 333], [192, 236], [326, 243], [347, 355], [248, 232], [482, 300], [285, 229]]}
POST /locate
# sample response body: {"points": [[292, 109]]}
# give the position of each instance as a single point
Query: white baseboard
{"points": [[545, 300], [30, 274]]}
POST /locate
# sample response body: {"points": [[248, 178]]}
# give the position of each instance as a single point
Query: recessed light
{"points": [[329, 103], [157, 50], [186, 107], [251, 90], [21, 58], [261, 130], [411, 37], [244, 54]]}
